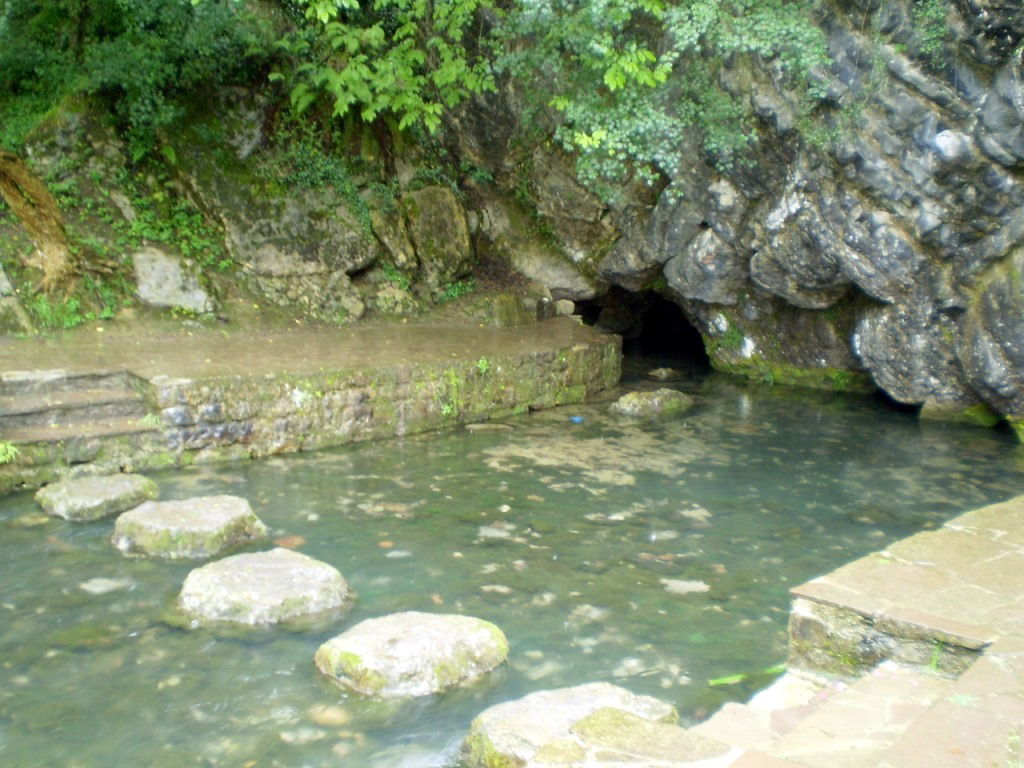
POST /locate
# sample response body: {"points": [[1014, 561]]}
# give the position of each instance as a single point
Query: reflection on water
{"points": [[656, 556]]}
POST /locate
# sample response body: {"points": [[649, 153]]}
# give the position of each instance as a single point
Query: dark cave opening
{"points": [[652, 328]]}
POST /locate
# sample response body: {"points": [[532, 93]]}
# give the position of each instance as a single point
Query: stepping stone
{"points": [[412, 654], [90, 498], [262, 588], [661, 403], [200, 527], [579, 726]]}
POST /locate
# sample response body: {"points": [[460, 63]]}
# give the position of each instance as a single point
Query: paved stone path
{"points": [[176, 395], [942, 615]]}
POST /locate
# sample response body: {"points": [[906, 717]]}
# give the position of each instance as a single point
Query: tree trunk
{"points": [[37, 210]]}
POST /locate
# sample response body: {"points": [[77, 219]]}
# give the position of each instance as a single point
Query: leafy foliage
{"points": [[631, 78], [931, 29], [142, 57], [405, 60], [8, 452]]}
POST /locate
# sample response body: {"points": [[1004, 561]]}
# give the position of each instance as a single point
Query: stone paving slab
{"points": [[857, 727], [962, 585]]}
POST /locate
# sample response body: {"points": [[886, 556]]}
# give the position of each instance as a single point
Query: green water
{"points": [[568, 536]]}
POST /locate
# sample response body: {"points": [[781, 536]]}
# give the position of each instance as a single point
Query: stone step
{"points": [[18, 383], [79, 431], [65, 407], [855, 728], [832, 727]]}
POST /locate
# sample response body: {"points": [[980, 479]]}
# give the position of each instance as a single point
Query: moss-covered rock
{"points": [[262, 588], [90, 498], [440, 234], [412, 654], [555, 726], [193, 528], [661, 403]]}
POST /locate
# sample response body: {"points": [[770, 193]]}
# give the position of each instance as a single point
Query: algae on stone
{"points": [[90, 498], [193, 528], [662, 403], [412, 654], [262, 588], [525, 732]]}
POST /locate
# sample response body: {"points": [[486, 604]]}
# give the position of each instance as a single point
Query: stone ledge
{"points": [[216, 404]]}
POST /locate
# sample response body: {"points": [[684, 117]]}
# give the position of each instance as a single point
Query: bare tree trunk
{"points": [[37, 210]]}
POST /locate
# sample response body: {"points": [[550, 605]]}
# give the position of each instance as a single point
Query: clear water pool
{"points": [[655, 556]]}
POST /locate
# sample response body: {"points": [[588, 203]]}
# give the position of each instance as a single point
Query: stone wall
{"points": [[208, 419], [214, 418]]}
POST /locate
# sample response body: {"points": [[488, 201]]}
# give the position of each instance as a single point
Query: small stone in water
{"points": [[169, 682], [30, 520], [312, 517], [664, 535], [504, 509], [683, 587], [457, 554], [329, 715], [500, 589], [385, 544], [489, 568], [492, 532], [398, 553], [436, 599], [290, 542], [100, 585], [661, 374], [341, 749], [543, 599], [301, 736], [546, 669]]}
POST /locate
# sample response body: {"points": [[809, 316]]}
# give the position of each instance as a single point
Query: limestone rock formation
{"points": [[887, 255], [164, 281], [262, 588], [412, 654], [90, 498], [193, 528], [594, 724]]}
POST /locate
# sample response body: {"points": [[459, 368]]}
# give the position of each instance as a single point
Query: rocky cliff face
{"points": [[882, 247], [889, 252]]}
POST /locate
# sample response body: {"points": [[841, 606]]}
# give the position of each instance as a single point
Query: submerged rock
{"points": [[412, 654], [262, 588], [661, 403], [200, 527], [594, 724], [90, 498]]}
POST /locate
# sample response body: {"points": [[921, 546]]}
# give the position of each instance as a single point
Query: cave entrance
{"points": [[655, 332]]}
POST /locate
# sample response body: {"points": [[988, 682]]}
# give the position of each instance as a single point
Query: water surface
{"points": [[590, 544]]}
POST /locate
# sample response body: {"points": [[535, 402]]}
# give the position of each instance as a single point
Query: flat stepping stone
{"points": [[661, 403], [262, 588], [412, 654], [91, 498], [593, 724], [193, 528]]}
